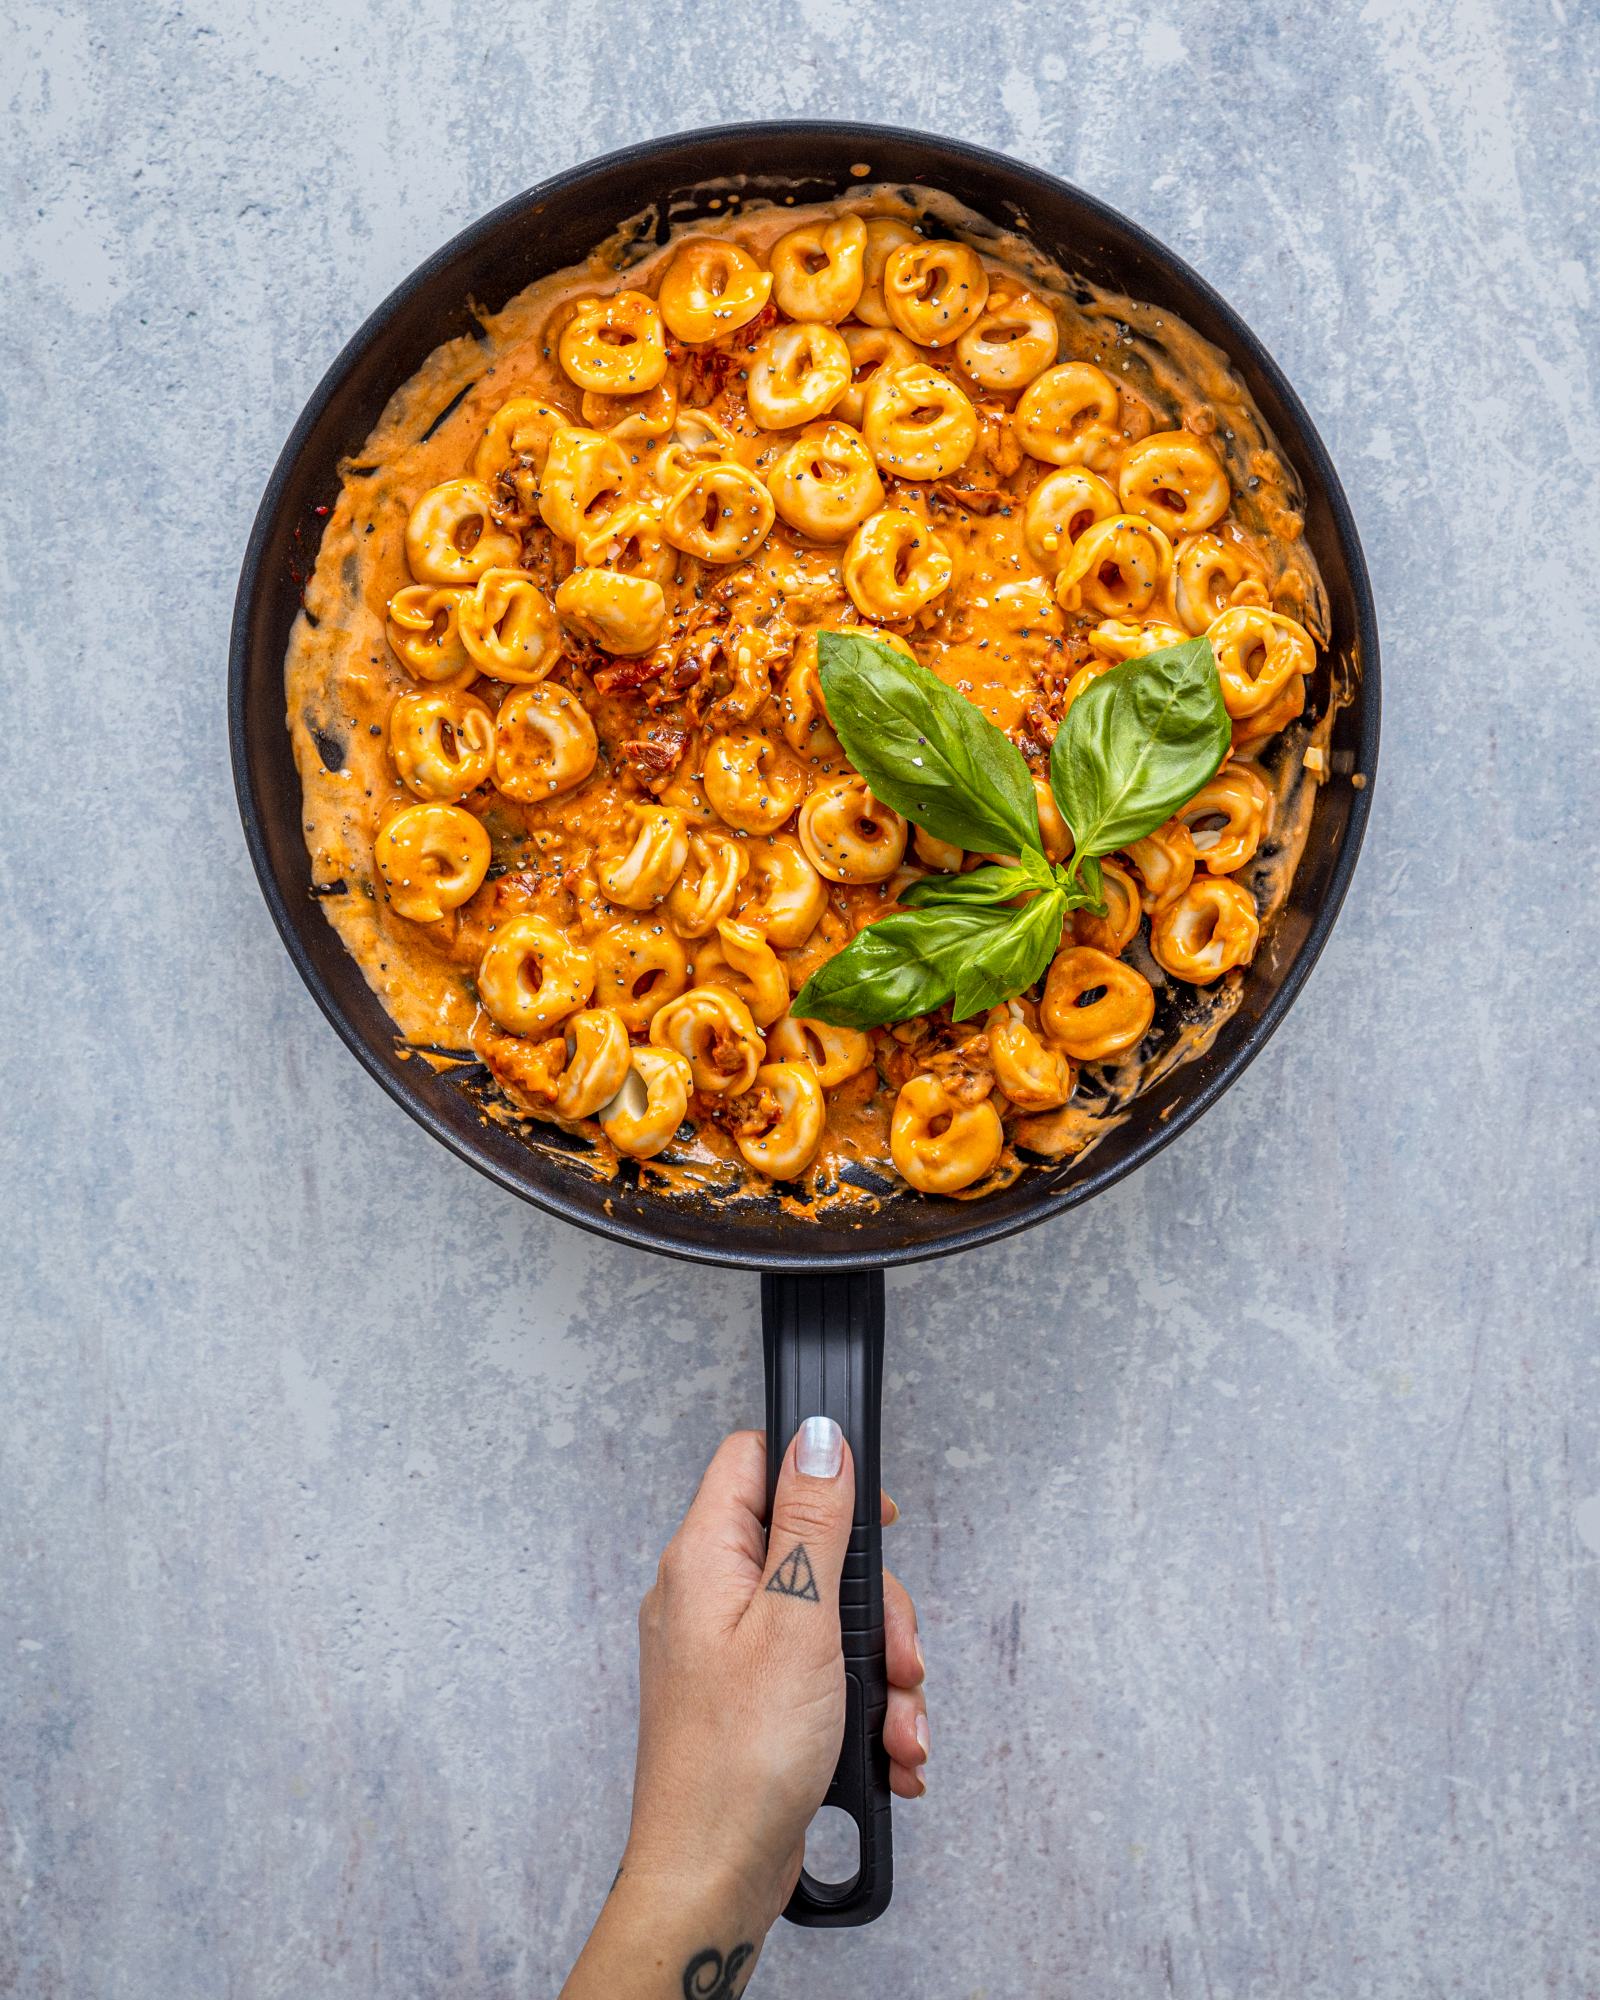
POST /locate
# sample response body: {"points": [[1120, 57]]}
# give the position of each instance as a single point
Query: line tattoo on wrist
{"points": [[710, 1976], [794, 1577]]}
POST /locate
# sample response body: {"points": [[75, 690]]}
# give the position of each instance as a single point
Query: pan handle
{"points": [[824, 1349]]}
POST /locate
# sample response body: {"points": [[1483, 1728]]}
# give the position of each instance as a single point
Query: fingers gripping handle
{"points": [[824, 1353]]}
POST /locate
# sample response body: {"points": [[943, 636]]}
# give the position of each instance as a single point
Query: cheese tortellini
{"points": [[431, 859], [441, 741], [452, 535], [797, 374], [939, 1143], [895, 564], [825, 485], [545, 744], [712, 288]]}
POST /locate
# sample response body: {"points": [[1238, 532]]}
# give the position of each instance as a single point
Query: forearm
{"points": [[670, 1937]]}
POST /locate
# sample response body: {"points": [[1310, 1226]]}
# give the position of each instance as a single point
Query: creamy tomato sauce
{"points": [[730, 636]]}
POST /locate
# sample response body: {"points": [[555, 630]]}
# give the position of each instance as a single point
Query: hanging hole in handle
{"points": [[833, 1849]]}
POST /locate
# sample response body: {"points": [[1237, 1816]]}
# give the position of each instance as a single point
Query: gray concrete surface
{"points": [[1254, 1513]]}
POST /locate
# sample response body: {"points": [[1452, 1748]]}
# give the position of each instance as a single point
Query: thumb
{"points": [[811, 1517]]}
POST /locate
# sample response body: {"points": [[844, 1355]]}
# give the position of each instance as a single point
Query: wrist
{"points": [[670, 1928], [717, 1881]]}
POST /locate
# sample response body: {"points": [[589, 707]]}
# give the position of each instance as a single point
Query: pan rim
{"points": [[638, 1232]]}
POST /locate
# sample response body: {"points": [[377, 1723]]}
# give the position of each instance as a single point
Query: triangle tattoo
{"points": [[793, 1577]]}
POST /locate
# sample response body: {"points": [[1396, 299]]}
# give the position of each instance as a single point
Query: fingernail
{"points": [[819, 1448], [893, 1506], [922, 1733], [922, 1665]]}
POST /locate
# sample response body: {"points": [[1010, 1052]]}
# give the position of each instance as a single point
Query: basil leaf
{"points": [[979, 885], [1088, 892], [924, 749], [1136, 744], [1013, 959], [902, 965]]}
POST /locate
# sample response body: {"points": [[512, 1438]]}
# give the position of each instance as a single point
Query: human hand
{"points": [[741, 1709]]}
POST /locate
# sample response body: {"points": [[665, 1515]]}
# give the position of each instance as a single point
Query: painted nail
{"points": [[892, 1510], [819, 1448], [922, 1732]]}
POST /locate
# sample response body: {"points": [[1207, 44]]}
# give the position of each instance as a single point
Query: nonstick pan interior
{"points": [[557, 224]]}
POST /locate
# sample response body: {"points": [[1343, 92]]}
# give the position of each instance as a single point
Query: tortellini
{"points": [[741, 959], [885, 235], [1012, 340], [786, 895], [934, 291], [750, 782], [825, 485], [452, 537], [532, 976], [441, 743], [721, 513], [873, 351], [620, 613], [1116, 930], [423, 627], [1033, 1075], [782, 1138], [509, 629], [1061, 507], [895, 564], [1209, 575], [1258, 653], [836, 1054], [1116, 567], [1069, 416], [797, 374], [1208, 930], [587, 483], [711, 1028], [818, 269], [596, 1065], [639, 864], [1165, 859], [848, 836], [712, 288], [1095, 1006], [614, 345], [640, 965], [918, 424], [650, 1105], [1175, 481], [940, 1144], [1236, 796], [517, 435], [545, 744], [714, 866], [431, 859], [631, 419]]}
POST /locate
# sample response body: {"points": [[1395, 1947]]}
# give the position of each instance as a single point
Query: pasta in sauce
{"points": [[570, 790]]}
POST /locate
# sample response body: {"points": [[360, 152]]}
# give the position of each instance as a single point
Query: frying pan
{"points": [[822, 1277]]}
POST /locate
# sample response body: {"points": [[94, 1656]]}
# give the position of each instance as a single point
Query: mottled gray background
{"points": [[1254, 1513]]}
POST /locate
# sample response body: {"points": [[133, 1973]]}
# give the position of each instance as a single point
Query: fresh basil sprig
{"points": [[1155, 732], [992, 884], [908, 963], [1135, 744], [924, 750]]}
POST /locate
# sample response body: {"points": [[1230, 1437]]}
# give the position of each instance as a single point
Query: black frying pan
{"points": [[822, 1279]]}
